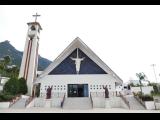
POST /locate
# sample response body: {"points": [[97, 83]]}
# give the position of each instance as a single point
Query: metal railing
{"points": [[125, 100], [91, 100], [63, 101]]}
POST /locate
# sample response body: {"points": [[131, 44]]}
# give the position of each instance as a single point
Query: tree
{"points": [[14, 72], [4, 62], [7, 60], [155, 87], [15, 86], [22, 86], [141, 77], [11, 86]]}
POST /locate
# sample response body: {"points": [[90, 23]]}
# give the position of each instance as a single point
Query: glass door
{"points": [[72, 90]]}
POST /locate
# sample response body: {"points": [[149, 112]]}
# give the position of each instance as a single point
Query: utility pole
{"points": [[153, 65]]}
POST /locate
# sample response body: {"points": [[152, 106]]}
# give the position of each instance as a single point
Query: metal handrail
{"points": [[125, 100], [91, 100], [63, 101]]}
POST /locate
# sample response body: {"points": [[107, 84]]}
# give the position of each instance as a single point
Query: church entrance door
{"points": [[77, 90]]}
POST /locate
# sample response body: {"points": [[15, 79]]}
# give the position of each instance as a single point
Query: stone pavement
{"points": [[58, 110]]}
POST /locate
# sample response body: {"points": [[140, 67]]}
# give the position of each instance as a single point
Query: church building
{"points": [[76, 73]]}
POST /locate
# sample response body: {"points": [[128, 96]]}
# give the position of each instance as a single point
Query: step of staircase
{"points": [[77, 103]]}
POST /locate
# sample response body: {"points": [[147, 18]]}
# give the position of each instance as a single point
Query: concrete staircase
{"points": [[47, 104], [77, 103], [20, 103], [134, 104]]}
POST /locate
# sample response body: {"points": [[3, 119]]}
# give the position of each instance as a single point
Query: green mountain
{"points": [[16, 56]]}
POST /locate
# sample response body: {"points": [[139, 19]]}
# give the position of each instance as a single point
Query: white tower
{"points": [[29, 64]]}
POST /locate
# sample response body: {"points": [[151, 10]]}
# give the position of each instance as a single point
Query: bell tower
{"points": [[29, 64]]}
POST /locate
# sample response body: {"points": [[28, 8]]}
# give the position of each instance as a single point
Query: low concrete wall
{"points": [[145, 90], [39, 102], [157, 106], [98, 102], [112, 102], [150, 105], [4, 104], [56, 102], [117, 102]]}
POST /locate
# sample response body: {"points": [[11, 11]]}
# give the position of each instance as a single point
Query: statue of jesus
{"points": [[77, 62]]}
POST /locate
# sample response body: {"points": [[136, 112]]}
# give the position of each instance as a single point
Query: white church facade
{"points": [[77, 72]]}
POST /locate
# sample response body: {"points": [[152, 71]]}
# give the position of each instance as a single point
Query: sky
{"points": [[126, 38]]}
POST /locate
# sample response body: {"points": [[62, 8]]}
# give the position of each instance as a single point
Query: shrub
{"points": [[15, 86], [5, 97], [22, 86], [11, 86], [147, 98]]}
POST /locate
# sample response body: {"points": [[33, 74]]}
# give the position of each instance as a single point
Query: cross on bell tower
{"points": [[36, 15], [29, 64]]}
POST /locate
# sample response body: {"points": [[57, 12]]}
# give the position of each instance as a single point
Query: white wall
{"points": [[145, 90], [4, 80], [60, 82], [1, 87], [150, 105], [4, 104]]}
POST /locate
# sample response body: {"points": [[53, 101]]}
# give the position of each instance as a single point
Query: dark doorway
{"points": [[77, 90]]}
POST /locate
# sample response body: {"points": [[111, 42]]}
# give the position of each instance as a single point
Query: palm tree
{"points": [[141, 77]]}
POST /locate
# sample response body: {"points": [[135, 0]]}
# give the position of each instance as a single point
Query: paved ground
{"points": [[97, 110]]}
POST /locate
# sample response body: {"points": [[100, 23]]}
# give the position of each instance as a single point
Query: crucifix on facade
{"points": [[77, 62]]}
